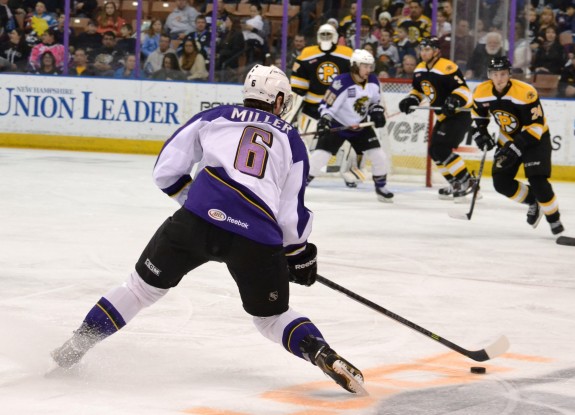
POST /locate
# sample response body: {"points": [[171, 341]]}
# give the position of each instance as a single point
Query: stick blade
{"points": [[495, 349], [566, 241], [457, 215]]}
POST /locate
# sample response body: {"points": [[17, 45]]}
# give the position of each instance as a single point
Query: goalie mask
{"points": [[326, 37], [266, 83]]}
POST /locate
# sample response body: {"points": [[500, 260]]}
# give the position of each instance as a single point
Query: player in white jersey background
{"points": [[245, 208], [350, 99]]}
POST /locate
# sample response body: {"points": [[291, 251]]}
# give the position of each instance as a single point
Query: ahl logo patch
{"points": [[273, 296], [217, 214]]}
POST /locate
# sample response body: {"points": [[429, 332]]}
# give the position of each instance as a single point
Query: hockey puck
{"points": [[478, 370]]}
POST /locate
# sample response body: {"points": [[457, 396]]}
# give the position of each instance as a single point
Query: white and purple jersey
{"points": [[250, 178], [348, 102]]}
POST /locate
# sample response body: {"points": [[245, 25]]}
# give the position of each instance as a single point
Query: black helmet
{"points": [[431, 41], [499, 63]]}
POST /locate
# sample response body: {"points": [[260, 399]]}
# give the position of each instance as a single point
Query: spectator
{"points": [[566, 19], [110, 20], [170, 70], [253, 30], [128, 71], [297, 46], [126, 43], [84, 8], [447, 9], [47, 65], [16, 51], [522, 51], [80, 67], [89, 40], [222, 15], [7, 19], [182, 20], [48, 44], [40, 20], [380, 65], [567, 81], [443, 26], [347, 24], [403, 44], [533, 26], [192, 63], [407, 68], [387, 47], [201, 36], [482, 54], [106, 59], [464, 44], [231, 48], [365, 35], [59, 32], [155, 60], [546, 19], [151, 39], [416, 24], [383, 23], [550, 57]]}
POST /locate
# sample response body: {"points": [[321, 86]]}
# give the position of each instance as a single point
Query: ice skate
{"points": [[534, 214], [344, 373], [384, 195], [557, 228], [72, 351], [463, 188], [446, 193]]}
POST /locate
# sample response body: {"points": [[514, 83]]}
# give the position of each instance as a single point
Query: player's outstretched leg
{"points": [[333, 365]]}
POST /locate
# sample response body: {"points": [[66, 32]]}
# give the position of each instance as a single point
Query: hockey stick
{"points": [[467, 215], [345, 127], [565, 240], [417, 107], [495, 349]]}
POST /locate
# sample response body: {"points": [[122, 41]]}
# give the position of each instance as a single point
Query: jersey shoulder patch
{"points": [[522, 91], [445, 66]]}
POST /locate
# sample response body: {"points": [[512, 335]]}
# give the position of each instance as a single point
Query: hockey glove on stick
{"points": [[405, 103], [324, 125], [377, 115], [451, 105], [303, 266], [482, 138], [507, 156]]}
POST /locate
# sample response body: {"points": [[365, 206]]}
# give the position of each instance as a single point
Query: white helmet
{"points": [[326, 37], [361, 56], [264, 83]]}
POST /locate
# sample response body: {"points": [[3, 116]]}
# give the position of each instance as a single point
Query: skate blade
{"points": [[353, 383], [445, 197], [538, 219], [385, 199]]}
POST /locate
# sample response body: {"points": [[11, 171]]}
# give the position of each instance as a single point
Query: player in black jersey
{"points": [[441, 81], [523, 139]]}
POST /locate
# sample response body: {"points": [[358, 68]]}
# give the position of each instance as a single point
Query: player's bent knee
{"points": [[145, 293]]}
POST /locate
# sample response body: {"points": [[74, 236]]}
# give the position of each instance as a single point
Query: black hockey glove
{"points": [[303, 266], [482, 138], [451, 104], [405, 103], [323, 125], [377, 115], [507, 156]]}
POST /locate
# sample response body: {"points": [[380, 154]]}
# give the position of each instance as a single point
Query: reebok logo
{"points": [[152, 267], [306, 265], [220, 216]]}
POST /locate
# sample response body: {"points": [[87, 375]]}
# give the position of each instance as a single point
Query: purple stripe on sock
{"points": [[295, 332], [104, 318]]}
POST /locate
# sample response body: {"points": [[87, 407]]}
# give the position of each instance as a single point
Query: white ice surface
{"points": [[72, 226]]}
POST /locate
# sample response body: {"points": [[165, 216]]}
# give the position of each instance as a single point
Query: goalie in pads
{"points": [[228, 214], [351, 98]]}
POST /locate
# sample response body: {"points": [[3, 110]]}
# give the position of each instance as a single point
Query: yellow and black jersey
{"points": [[314, 70], [516, 109], [443, 79], [416, 29]]}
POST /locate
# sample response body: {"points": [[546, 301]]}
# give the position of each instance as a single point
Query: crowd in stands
{"points": [[177, 46]]}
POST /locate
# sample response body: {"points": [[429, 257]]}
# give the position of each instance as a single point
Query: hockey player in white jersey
{"points": [[245, 207], [350, 99]]}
